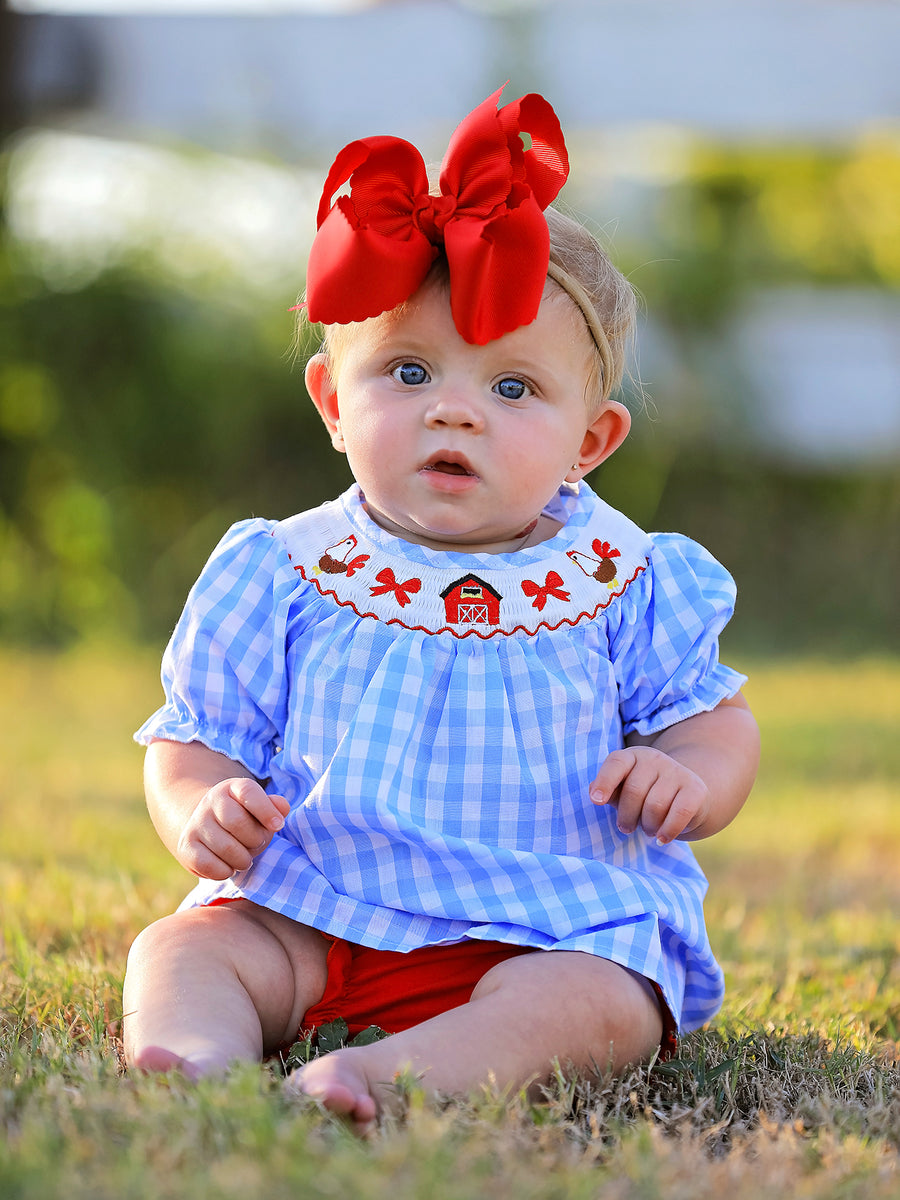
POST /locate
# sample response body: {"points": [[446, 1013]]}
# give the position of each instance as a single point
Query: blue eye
{"points": [[511, 389], [410, 373]]}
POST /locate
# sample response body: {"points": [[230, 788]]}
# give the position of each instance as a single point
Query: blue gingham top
{"points": [[435, 720]]}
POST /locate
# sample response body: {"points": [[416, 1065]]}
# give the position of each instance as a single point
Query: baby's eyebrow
{"points": [[397, 338]]}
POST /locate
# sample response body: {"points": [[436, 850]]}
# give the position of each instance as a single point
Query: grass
{"points": [[793, 1091]]}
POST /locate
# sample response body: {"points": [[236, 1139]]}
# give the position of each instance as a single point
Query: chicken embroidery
{"points": [[336, 561], [602, 568]]}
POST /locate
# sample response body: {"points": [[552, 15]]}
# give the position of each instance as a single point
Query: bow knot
{"points": [[552, 586], [431, 214], [375, 246], [389, 583]]}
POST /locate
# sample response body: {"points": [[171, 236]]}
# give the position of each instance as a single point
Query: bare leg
{"points": [[210, 986], [523, 1014]]}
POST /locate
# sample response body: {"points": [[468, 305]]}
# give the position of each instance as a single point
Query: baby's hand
{"points": [[234, 821], [653, 791]]}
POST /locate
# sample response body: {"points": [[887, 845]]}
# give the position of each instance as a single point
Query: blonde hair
{"points": [[580, 265], [583, 269]]}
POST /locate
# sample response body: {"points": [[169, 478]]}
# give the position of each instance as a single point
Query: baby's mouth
{"points": [[449, 466]]}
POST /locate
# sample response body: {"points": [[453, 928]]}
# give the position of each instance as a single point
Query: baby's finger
{"points": [[613, 771], [633, 793], [261, 806], [657, 806], [283, 805], [214, 857], [681, 817]]}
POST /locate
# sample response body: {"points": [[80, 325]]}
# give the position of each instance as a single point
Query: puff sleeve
{"points": [[665, 644], [223, 671]]}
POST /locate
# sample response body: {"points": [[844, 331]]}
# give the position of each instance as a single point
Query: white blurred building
{"points": [[294, 81]]}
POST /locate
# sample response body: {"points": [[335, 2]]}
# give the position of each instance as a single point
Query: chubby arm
{"points": [[690, 780], [210, 813]]}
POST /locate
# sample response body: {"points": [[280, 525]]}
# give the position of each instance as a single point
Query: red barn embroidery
{"points": [[471, 601]]}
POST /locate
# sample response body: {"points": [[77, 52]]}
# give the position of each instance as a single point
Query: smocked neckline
{"points": [[570, 505]]}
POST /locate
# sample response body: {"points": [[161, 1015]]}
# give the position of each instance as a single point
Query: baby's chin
{"points": [[467, 541]]}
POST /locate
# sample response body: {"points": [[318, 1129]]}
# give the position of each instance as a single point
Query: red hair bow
{"points": [[375, 246]]}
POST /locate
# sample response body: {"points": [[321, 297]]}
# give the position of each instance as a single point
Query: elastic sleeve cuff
{"points": [[720, 684], [172, 727]]}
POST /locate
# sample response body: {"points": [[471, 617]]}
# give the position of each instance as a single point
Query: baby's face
{"points": [[461, 446]]}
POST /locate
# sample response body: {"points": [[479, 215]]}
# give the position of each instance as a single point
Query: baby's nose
{"points": [[455, 406]]}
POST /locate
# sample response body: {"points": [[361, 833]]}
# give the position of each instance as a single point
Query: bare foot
{"points": [[340, 1084], [155, 1060]]}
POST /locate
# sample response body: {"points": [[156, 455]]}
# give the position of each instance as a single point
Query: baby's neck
{"points": [[541, 529]]}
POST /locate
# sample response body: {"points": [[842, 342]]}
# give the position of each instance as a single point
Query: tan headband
{"points": [[578, 294]]}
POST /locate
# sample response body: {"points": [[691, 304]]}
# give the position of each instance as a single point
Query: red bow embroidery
{"points": [[552, 587], [375, 246], [389, 583]]}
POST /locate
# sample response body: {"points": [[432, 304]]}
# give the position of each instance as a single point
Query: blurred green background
{"points": [[150, 394]]}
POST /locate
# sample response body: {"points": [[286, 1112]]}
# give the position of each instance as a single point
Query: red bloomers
{"points": [[395, 991]]}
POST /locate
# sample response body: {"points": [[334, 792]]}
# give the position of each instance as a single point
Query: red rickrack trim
{"points": [[326, 592]]}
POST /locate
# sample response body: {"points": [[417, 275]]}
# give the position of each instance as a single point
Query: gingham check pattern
{"points": [[439, 784]]}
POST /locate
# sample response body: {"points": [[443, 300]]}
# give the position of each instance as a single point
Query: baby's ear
{"points": [[603, 437], [323, 393]]}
